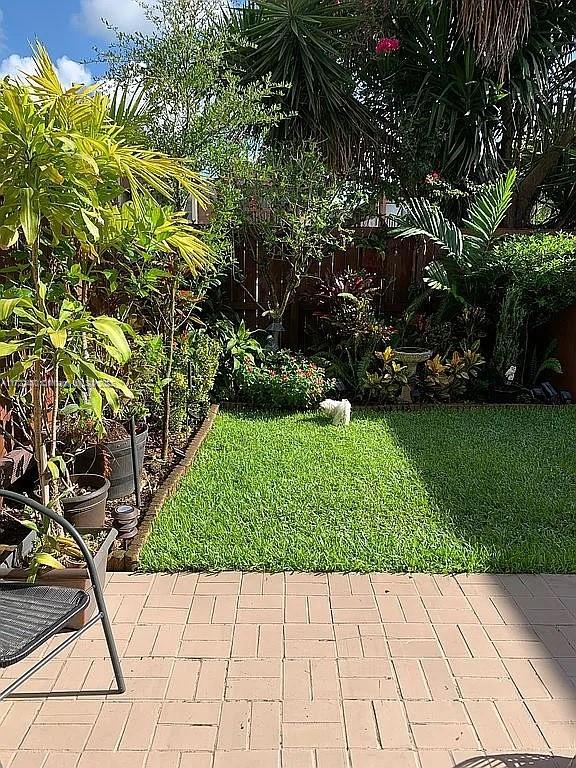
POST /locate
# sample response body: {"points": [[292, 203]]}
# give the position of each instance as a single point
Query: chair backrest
{"points": [[65, 524]]}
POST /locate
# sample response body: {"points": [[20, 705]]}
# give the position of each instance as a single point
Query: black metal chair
{"points": [[30, 614]]}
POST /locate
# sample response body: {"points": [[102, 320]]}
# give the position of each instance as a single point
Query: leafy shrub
{"points": [[239, 346], [543, 265], [537, 274], [350, 329], [196, 359], [443, 335], [144, 375], [385, 385], [284, 380], [179, 403], [451, 379], [346, 305], [204, 360]]}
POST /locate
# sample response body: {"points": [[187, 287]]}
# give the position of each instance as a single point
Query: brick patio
{"points": [[312, 671]]}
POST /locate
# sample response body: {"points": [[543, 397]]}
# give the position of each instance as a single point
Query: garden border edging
{"points": [[128, 560], [458, 406]]}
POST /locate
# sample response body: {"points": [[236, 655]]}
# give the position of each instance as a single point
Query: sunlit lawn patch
{"points": [[437, 490]]}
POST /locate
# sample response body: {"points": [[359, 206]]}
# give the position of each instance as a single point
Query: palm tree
{"points": [[304, 45], [497, 27], [462, 251]]}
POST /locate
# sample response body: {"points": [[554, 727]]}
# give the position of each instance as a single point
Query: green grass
{"points": [[437, 490]]}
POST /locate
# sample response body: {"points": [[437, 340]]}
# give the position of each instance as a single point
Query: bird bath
{"points": [[411, 357]]}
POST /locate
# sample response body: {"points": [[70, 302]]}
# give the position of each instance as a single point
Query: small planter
{"points": [[14, 557], [77, 578], [88, 510], [122, 476]]}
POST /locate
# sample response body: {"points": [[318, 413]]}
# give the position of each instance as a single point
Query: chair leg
{"points": [[45, 659], [111, 643]]}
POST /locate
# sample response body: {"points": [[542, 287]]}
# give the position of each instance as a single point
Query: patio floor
{"points": [[312, 671]]}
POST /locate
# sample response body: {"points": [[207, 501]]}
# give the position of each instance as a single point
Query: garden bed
{"points": [[127, 560], [439, 490]]}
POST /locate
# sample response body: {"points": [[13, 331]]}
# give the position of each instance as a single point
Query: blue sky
{"points": [[70, 28]]}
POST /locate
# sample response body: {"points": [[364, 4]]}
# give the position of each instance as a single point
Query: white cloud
{"points": [[69, 71], [127, 15]]}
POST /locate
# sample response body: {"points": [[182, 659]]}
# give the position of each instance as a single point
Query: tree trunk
{"points": [[169, 366], [528, 189], [40, 453]]}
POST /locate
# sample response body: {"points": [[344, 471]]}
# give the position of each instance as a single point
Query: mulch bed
{"points": [[161, 481]]}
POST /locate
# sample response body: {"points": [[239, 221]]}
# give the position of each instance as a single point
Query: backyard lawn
{"points": [[437, 490]]}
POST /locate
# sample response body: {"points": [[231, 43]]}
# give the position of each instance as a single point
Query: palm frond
{"points": [[497, 27], [422, 219], [486, 214]]}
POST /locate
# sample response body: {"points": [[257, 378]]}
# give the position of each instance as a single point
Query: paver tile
{"points": [[305, 670]]}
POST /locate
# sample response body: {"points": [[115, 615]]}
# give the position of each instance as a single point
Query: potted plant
{"points": [[64, 164], [108, 451], [85, 503], [16, 540]]}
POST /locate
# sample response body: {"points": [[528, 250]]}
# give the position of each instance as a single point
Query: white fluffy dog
{"points": [[339, 410]]}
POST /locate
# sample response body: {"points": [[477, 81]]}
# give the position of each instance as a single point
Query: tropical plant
{"points": [[349, 362], [239, 346], [70, 345], [542, 361], [63, 165], [386, 384], [346, 305], [451, 110], [498, 27], [53, 548], [463, 251], [305, 44], [452, 378]]}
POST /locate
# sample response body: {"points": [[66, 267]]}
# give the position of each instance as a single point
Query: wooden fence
{"points": [[397, 268]]}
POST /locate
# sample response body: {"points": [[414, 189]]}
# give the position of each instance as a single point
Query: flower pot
{"points": [[87, 510], [116, 461], [76, 578], [122, 475]]}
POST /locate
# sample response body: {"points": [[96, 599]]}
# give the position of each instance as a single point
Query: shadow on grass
{"points": [[502, 480]]}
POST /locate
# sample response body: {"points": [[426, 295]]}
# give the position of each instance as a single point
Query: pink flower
{"points": [[432, 177], [387, 45]]}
